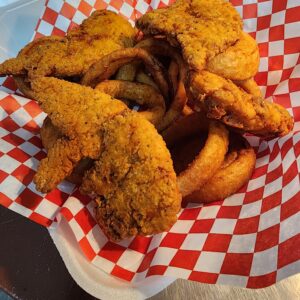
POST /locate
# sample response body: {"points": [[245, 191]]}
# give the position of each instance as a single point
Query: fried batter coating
{"points": [[75, 109], [249, 86], [133, 179], [221, 99], [100, 34], [238, 62], [133, 176], [203, 28], [78, 112], [61, 159], [49, 135]]}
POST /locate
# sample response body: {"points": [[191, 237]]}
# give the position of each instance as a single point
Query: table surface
{"points": [[31, 268]]}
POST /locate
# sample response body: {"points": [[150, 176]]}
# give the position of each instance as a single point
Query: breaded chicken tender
{"points": [[203, 28], [100, 34], [221, 99], [78, 112], [133, 179]]}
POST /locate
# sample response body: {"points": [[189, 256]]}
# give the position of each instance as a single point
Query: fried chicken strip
{"points": [[72, 55], [78, 112], [75, 109], [202, 28], [221, 99], [133, 179]]}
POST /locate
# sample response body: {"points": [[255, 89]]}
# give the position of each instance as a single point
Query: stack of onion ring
{"points": [[142, 94], [125, 63], [235, 171], [217, 171]]}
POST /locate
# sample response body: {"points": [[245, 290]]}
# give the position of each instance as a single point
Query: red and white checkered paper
{"points": [[251, 239]]}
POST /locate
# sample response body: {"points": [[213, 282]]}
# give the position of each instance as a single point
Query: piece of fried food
{"points": [[23, 85], [152, 102], [203, 28], [235, 172], [209, 159], [79, 113], [238, 62], [100, 34], [49, 135], [221, 99], [133, 179], [249, 86]]}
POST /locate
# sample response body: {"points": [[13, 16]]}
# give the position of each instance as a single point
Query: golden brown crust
{"points": [[202, 28], [238, 62], [49, 135], [249, 86], [78, 112], [101, 33], [225, 101], [134, 180], [59, 164], [90, 108]]}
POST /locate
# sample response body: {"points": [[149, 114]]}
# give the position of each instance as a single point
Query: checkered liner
{"points": [[251, 239]]}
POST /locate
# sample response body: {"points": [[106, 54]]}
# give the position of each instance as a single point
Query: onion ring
{"points": [[184, 127], [208, 160], [127, 72], [173, 75], [142, 94], [105, 67], [159, 47], [235, 172], [142, 77]]}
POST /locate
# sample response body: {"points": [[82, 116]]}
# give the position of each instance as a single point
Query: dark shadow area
{"points": [[31, 267]]}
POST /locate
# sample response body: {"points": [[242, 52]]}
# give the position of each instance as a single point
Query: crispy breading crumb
{"points": [[134, 179]]}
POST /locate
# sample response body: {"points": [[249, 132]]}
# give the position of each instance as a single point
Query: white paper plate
{"points": [[95, 281], [18, 19]]}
